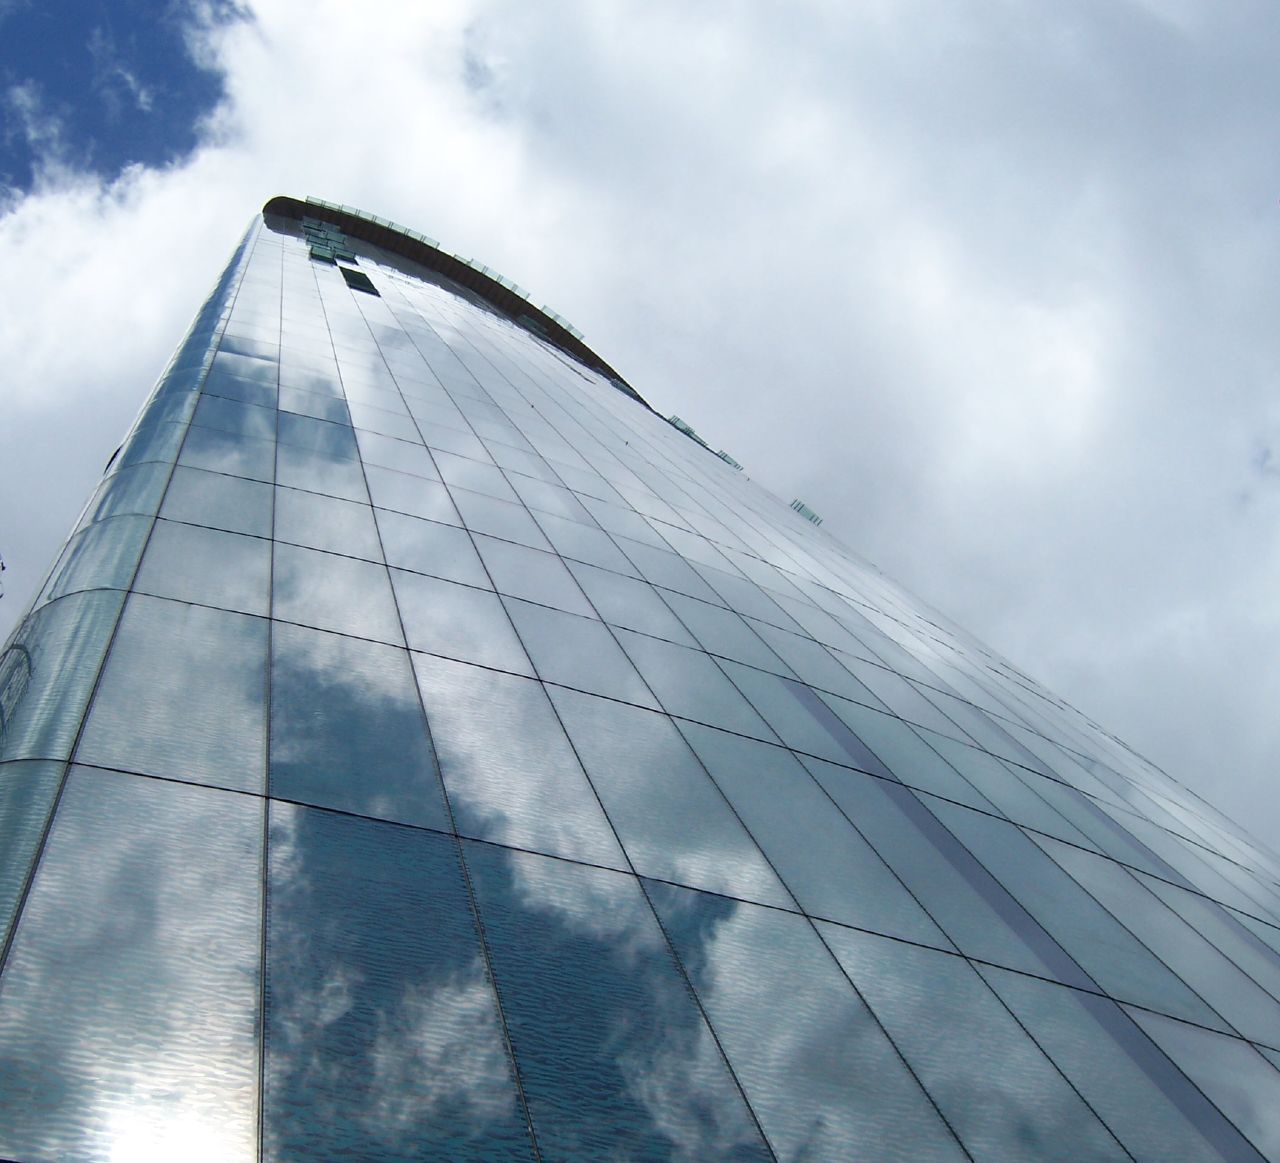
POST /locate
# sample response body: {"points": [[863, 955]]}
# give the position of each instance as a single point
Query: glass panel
{"points": [[136, 489], [427, 547], [27, 791], [320, 471], [690, 684], [334, 593], [464, 473], [532, 574], [962, 898], [154, 442], [399, 455], [103, 556], [379, 1013], [814, 664], [549, 498], [722, 632], [181, 696], [1122, 966], [129, 1011], [235, 388], [584, 544], [616, 1060], [446, 438], [318, 405], [334, 441], [1231, 1072], [47, 671], [1223, 928], [347, 729], [673, 822], [326, 523], [409, 494], [458, 622], [509, 771], [819, 1073], [1250, 1010], [820, 856], [905, 754], [236, 418], [995, 1087], [223, 502], [502, 519], [195, 564], [1149, 1105], [626, 601], [577, 652], [664, 568], [237, 456]]}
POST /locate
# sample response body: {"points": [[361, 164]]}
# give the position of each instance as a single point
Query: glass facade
{"points": [[423, 750]]}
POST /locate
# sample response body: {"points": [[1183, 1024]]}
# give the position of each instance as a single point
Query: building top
{"points": [[504, 296]]}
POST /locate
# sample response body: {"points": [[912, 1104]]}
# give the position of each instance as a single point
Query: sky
{"points": [[990, 284]]}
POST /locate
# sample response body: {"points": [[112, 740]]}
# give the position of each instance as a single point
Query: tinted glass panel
{"points": [[379, 1012], [347, 729], [615, 1057]]}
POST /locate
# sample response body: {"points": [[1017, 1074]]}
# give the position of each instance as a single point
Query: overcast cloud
{"points": [[991, 285]]}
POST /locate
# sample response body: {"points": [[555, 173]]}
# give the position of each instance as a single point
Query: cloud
{"points": [[989, 290]]}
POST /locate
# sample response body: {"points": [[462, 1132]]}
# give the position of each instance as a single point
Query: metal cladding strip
{"points": [[1219, 1132]]}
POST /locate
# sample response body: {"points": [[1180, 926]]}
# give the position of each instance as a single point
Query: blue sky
{"points": [[991, 285], [96, 86]]}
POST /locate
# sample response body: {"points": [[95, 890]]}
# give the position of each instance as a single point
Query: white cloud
{"points": [[990, 289]]}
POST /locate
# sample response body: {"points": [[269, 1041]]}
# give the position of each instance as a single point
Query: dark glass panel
{"points": [[966, 902], [347, 729], [382, 1033], [1108, 952], [616, 1060]]}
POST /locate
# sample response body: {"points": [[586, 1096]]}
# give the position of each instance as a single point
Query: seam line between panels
{"points": [[464, 872]]}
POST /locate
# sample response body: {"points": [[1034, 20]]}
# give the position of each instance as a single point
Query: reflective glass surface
{"points": [[128, 1014], [612, 810]]}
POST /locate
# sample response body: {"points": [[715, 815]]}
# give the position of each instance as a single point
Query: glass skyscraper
{"points": [[422, 750]]}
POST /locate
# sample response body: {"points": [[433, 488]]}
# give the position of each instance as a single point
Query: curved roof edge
{"points": [[501, 294]]}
